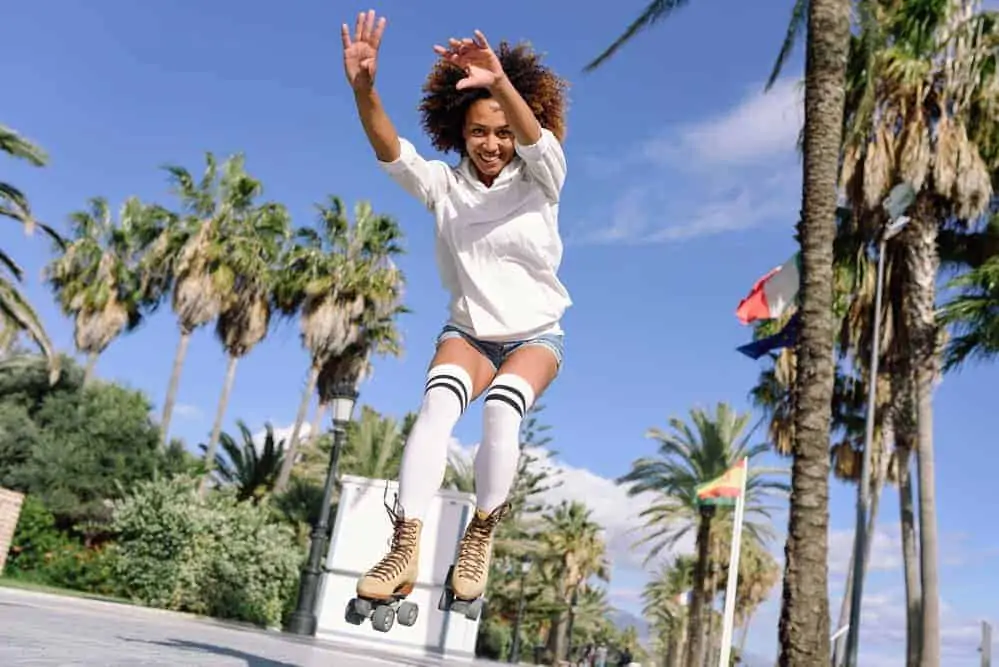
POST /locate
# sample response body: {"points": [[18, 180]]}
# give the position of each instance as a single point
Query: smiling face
{"points": [[488, 139]]}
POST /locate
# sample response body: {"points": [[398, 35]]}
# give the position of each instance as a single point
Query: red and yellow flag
{"points": [[724, 490]]}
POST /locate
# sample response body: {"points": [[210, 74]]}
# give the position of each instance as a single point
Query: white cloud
{"points": [[886, 550], [282, 434], [736, 171], [611, 507], [883, 632], [187, 411], [765, 125]]}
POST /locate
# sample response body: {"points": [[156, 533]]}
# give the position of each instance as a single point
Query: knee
{"points": [[509, 395], [449, 387]]}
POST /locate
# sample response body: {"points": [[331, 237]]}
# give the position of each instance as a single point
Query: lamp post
{"points": [[525, 567], [303, 620], [898, 200]]}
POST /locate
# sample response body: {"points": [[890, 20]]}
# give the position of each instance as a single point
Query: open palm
{"points": [[360, 54], [481, 65]]}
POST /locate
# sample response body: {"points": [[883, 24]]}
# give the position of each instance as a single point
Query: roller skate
{"points": [[467, 578], [382, 591]]}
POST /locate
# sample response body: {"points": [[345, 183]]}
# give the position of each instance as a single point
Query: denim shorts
{"points": [[497, 353]]}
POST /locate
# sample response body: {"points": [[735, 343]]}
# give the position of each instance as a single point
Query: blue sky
{"points": [[683, 189]]}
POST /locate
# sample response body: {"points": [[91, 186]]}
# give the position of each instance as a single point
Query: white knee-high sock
{"points": [[508, 399], [424, 459]]}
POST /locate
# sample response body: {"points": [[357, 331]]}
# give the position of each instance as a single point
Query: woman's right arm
{"points": [[426, 181], [381, 133]]}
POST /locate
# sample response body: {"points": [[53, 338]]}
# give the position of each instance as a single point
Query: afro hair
{"points": [[444, 107]]}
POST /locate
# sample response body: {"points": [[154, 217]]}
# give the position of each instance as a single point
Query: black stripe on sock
{"points": [[506, 399], [452, 383], [517, 394]]}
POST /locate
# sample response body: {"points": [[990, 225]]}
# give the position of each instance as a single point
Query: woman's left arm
{"points": [[537, 146]]}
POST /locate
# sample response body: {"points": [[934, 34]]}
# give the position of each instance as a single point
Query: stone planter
{"points": [[10, 510]]}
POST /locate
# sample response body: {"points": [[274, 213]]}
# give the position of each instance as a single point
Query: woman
{"points": [[498, 251]]}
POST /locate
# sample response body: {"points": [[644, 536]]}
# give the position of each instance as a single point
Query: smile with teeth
{"points": [[489, 159]]}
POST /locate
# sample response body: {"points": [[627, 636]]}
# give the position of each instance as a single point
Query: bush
{"points": [[42, 553], [211, 556], [494, 639]]}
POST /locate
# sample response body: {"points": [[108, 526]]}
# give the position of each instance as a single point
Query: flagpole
{"points": [[733, 572]]}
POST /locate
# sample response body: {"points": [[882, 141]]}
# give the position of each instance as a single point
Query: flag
{"points": [[683, 599], [786, 337], [772, 294], [723, 490]]}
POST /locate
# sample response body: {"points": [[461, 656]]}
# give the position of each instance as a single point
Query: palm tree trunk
{"points": [[171, 395], [695, 632], [745, 632], [921, 272], [804, 620], [213, 439], [902, 391], [292, 450], [88, 371], [709, 608], [317, 421], [910, 559]]}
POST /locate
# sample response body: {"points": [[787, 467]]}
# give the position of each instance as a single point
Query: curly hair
{"points": [[444, 107]]}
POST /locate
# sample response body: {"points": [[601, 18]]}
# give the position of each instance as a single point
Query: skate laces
{"points": [[403, 542], [474, 548]]}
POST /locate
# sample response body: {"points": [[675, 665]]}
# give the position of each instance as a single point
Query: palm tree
{"points": [[806, 577], [460, 472], [572, 542], [374, 446], [16, 314], [190, 255], [922, 108], [252, 469], [974, 315], [665, 597], [97, 280], [686, 458], [252, 243], [337, 278]]}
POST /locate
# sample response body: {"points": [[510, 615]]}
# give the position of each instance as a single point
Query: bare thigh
{"points": [[460, 352], [534, 363]]}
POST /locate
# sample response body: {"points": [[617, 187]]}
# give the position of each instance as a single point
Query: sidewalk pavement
{"points": [[45, 630]]}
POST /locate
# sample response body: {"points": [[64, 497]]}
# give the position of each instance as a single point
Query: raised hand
{"points": [[475, 56], [360, 55]]}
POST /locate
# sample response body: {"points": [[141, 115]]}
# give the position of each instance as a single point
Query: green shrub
{"points": [[211, 556], [42, 553], [494, 639]]}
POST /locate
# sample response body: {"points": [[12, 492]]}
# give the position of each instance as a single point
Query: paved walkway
{"points": [[42, 630]]}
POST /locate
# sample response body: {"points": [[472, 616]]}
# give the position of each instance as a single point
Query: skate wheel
{"points": [[351, 615], [407, 614], [362, 607], [383, 618], [444, 604], [473, 610]]}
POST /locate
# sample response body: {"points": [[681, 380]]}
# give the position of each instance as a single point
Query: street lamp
{"points": [[895, 205], [525, 567], [303, 620]]}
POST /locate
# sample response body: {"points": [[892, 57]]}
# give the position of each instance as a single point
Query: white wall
{"points": [[361, 536]]}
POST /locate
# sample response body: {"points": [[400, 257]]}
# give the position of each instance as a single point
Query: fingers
{"points": [[376, 38], [359, 27], [366, 29], [480, 40]]}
